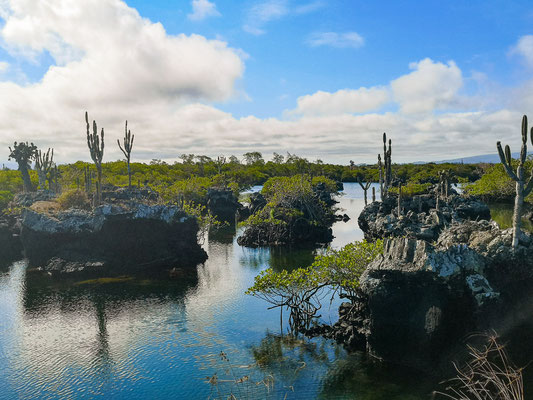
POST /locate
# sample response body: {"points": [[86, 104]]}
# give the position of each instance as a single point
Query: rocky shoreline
{"points": [[417, 301]]}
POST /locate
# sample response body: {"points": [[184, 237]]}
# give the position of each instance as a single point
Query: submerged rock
{"points": [[111, 236]]}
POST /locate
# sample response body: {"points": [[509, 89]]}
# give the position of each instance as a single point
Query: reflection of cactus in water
{"points": [[43, 164], [96, 147], [523, 188]]}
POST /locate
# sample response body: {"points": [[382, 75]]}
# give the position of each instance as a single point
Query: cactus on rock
{"points": [[23, 153], [385, 168], [523, 188], [128, 145], [95, 143], [43, 164]]}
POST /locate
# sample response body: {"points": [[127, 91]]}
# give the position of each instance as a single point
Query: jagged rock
{"points": [[28, 198], [114, 195], [223, 204], [420, 218], [134, 237], [428, 296]]}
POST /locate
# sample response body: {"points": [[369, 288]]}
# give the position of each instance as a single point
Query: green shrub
{"points": [[495, 185], [5, 197], [74, 199], [300, 290]]}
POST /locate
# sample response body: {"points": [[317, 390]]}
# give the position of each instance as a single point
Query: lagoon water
{"points": [[144, 339]]}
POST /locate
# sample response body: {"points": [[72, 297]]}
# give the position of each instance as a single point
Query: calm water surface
{"points": [[143, 339]]}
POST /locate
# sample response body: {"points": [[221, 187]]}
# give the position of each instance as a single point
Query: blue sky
{"points": [[322, 79]]}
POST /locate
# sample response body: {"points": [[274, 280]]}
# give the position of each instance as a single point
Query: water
{"points": [[143, 339]]}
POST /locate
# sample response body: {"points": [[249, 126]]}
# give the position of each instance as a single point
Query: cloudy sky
{"points": [[322, 79]]}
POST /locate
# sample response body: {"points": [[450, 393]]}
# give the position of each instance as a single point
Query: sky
{"points": [[320, 79]]}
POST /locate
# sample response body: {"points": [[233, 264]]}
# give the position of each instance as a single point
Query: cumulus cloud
{"points": [[335, 39], [110, 60], [343, 101], [431, 85], [118, 65], [202, 9]]}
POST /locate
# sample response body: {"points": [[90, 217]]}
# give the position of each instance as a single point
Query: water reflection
{"points": [[143, 338]]}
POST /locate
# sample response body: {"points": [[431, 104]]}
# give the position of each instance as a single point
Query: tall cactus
{"points": [[128, 145], [523, 188], [385, 169], [96, 147], [43, 165], [23, 154]]}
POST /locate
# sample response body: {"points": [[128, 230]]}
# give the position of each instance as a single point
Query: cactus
{"points": [[380, 168], [43, 165], [523, 188], [23, 154], [444, 184], [400, 200], [385, 168], [88, 179], [364, 187], [96, 147], [128, 145]]}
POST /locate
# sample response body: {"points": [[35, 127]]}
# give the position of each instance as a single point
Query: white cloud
{"points": [[202, 9], [431, 85], [120, 66], [262, 13], [127, 68], [343, 101], [524, 48], [335, 39]]}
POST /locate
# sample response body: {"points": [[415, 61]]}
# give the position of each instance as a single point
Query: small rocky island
{"points": [[128, 233]]}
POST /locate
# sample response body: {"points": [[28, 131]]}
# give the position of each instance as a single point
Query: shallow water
{"points": [[142, 339]]}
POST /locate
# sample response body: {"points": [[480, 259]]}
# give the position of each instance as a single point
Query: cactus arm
{"points": [[505, 164]]}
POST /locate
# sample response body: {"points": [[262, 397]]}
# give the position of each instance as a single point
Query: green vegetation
{"points": [[494, 185], [297, 210], [74, 198], [301, 290], [190, 178]]}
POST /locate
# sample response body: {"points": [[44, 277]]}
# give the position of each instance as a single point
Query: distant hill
{"points": [[485, 158]]}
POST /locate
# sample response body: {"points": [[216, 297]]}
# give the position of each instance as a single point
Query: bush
{"points": [[495, 185], [5, 197], [300, 290], [74, 199]]}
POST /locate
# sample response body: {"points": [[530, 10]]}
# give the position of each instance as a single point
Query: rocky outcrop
{"points": [[419, 299], [299, 231], [111, 237], [419, 216], [223, 204], [10, 245]]}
